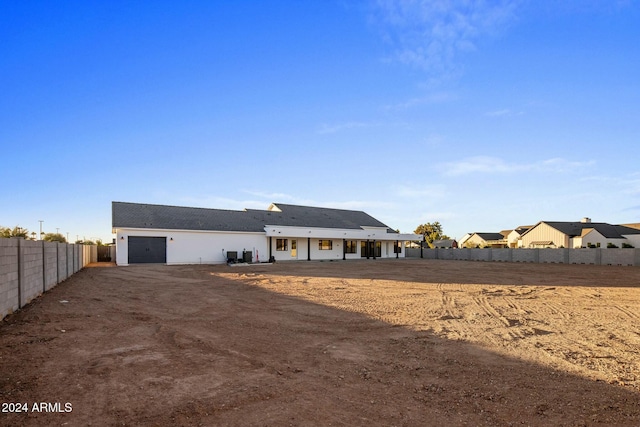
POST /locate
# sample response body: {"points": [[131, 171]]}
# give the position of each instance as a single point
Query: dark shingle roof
{"points": [[491, 236], [573, 229], [137, 215]]}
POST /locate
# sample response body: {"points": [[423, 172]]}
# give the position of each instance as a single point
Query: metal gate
{"points": [[147, 250]]}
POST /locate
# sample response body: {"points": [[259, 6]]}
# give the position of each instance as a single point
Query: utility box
{"points": [[247, 256]]}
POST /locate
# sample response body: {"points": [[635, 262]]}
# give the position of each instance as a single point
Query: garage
{"points": [[147, 250]]}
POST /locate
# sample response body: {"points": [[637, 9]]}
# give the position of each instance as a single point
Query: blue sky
{"points": [[483, 115]]}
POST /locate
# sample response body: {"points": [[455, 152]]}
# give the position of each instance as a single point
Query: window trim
{"points": [[351, 247], [323, 248], [282, 245]]}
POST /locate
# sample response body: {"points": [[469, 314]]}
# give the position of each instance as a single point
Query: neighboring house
{"points": [[445, 243], [482, 240], [556, 234], [514, 238], [463, 240], [148, 233]]}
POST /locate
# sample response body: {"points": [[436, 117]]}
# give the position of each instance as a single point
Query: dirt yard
{"points": [[384, 342]]}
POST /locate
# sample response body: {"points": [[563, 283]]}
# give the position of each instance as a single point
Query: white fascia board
{"points": [[171, 230], [337, 233], [409, 236]]}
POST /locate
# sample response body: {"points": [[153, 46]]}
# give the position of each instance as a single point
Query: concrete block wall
{"points": [[63, 273], [29, 268], [70, 260], [553, 255], [502, 255], [445, 254], [9, 277], [597, 256], [460, 254], [584, 256], [524, 255], [479, 254], [50, 264], [619, 256]]}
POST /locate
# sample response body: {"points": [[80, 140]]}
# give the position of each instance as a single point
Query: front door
{"points": [[294, 249]]}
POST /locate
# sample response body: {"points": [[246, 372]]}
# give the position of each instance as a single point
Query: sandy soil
{"points": [[384, 342]]}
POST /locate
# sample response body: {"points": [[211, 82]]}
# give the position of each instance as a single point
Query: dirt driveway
{"points": [[384, 342]]}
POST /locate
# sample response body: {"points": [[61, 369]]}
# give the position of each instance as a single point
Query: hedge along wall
{"points": [[597, 256], [29, 268]]}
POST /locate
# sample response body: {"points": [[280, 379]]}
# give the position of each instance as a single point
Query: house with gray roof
{"points": [[484, 240], [148, 233], [579, 234]]}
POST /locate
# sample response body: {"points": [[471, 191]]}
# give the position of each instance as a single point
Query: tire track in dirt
{"points": [[484, 304], [450, 308], [555, 309], [627, 312]]}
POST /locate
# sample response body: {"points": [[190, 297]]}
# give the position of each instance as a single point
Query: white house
{"points": [[492, 240], [514, 238], [148, 233]]}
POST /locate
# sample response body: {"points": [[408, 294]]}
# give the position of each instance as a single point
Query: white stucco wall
{"points": [[513, 239], [302, 236], [335, 252], [633, 239], [593, 237], [196, 247], [209, 247]]}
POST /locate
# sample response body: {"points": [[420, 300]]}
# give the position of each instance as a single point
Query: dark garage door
{"points": [[147, 250]]}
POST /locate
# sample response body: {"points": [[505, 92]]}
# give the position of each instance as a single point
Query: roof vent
{"points": [[585, 220]]}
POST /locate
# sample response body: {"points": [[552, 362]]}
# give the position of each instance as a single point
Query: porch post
{"points": [[344, 249], [308, 248], [367, 249], [374, 249]]}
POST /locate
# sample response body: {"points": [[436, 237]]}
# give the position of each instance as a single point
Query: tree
{"points": [[15, 232], [431, 232], [54, 237]]}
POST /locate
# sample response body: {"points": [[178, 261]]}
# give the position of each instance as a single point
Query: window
{"points": [[370, 249], [281, 245], [325, 245], [351, 247]]}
